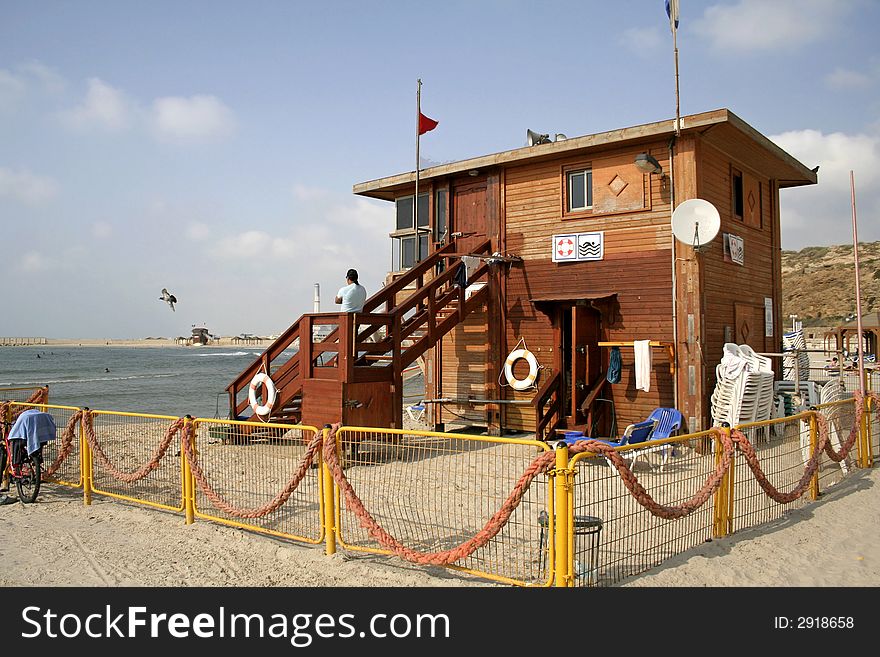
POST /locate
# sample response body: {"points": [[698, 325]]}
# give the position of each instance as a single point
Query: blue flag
{"points": [[672, 12]]}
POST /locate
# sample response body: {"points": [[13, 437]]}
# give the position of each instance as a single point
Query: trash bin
{"points": [[587, 535]]}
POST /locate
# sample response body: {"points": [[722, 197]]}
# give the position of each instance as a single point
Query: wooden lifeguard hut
{"points": [[535, 263]]}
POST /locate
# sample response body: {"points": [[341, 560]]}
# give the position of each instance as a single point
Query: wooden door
{"points": [[580, 357], [469, 213], [749, 325]]}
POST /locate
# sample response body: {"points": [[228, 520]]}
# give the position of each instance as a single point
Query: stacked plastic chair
{"points": [[795, 366], [833, 391], [744, 389]]}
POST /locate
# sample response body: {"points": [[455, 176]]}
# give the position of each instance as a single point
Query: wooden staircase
{"points": [[348, 367]]}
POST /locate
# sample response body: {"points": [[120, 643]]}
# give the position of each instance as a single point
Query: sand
{"points": [[59, 541]]}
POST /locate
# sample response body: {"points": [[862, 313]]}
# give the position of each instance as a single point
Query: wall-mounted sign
{"points": [[578, 247], [768, 317], [734, 249]]}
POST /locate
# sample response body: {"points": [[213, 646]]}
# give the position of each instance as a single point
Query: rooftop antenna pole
{"points": [[861, 351], [672, 11], [317, 302]]}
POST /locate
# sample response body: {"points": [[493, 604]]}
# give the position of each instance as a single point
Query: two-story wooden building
{"points": [[583, 260]]}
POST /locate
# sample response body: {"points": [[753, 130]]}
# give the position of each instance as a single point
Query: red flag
{"points": [[426, 124]]}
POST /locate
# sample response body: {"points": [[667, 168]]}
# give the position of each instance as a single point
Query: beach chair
{"points": [[416, 412], [667, 423]]}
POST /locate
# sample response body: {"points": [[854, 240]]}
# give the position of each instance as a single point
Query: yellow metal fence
{"points": [[504, 509]]}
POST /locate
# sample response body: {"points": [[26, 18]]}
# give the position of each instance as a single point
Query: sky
{"points": [[211, 147]]}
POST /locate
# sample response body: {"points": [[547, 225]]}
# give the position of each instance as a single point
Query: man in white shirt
{"points": [[353, 295]]}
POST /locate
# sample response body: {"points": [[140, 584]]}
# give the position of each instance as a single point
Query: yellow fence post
{"points": [[4, 475], [85, 462], [329, 501], [865, 450], [723, 497], [814, 426], [562, 520], [869, 408], [189, 498]]}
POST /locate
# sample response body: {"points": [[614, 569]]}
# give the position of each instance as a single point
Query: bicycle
{"points": [[26, 470]]}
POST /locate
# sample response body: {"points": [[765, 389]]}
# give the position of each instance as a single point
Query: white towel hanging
{"points": [[642, 349]]}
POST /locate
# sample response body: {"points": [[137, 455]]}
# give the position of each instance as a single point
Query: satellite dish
{"points": [[695, 222]]}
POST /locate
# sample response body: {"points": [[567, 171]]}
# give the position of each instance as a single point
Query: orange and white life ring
{"points": [[529, 381], [266, 408]]}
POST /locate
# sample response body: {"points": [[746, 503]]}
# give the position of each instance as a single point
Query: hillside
{"points": [[818, 284]]}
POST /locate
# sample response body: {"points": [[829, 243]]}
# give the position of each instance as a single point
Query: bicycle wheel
{"points": [[28, 484]]}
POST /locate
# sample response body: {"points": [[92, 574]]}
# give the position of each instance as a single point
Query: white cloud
{"points": [[841, 78], [34, 261], [644, 41], [50, 80], [198, 231], [821, 214], [102, 230], [836, 154], [11, 89], [751, 25], [305, 193], [104, 106], [26, 187], [193, 118]]}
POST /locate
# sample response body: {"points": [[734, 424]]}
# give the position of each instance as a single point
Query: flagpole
{"points": [[673, 20], [861, 351], [416, 194]]}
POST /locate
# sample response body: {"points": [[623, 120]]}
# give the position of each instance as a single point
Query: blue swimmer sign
{"points": [[578, 247]]}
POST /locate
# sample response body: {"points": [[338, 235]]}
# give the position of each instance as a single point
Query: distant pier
{"points": [[21, 342]]}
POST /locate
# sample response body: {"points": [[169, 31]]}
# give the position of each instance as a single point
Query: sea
{"points": [[173, 381]]}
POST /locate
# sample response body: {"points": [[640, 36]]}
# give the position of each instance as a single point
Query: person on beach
{"points": [[352, 296]]}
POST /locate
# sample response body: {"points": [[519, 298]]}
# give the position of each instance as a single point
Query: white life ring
{"points": [[265, 409], [529, 381]]}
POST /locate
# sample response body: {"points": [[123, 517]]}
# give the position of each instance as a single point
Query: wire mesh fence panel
{"points": [[66, 471], [129, 442], [248, 469], [841, 418], [61, 455], [782, 448], [14, 394], [633, 539], [435, 491]]}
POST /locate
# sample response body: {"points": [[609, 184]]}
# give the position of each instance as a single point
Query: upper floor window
{"points": [[579, 190], [405, 211], [737, 184], [405, 250]]}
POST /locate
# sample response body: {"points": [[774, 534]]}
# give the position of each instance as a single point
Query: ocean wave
{"points": [[101, 378], [227, 353]]}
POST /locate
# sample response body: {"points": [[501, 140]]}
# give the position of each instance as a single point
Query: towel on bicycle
{"points": [[35, 428]]}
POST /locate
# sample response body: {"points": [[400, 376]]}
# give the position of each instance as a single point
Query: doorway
{"points": [[579, 358]]}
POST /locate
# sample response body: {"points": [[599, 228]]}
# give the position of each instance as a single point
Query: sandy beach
{"points": [[59, 541]]}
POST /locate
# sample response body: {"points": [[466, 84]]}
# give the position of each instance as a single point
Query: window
{"points": [[403, 255], [440, 215], [737, 194], [579, 190]]}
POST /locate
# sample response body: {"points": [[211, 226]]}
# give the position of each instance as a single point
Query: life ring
{"points": [[265, 409], [529, 381]]}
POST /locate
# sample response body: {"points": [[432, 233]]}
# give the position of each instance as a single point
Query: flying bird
{"points": [[168, 298]]}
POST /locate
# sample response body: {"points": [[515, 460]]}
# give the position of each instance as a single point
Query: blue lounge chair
{"points": [[668, 422], [634, 434]]}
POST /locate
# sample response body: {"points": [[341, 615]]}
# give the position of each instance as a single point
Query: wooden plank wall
{"points": [[727, 284], [465, 363], [637, 265]]}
